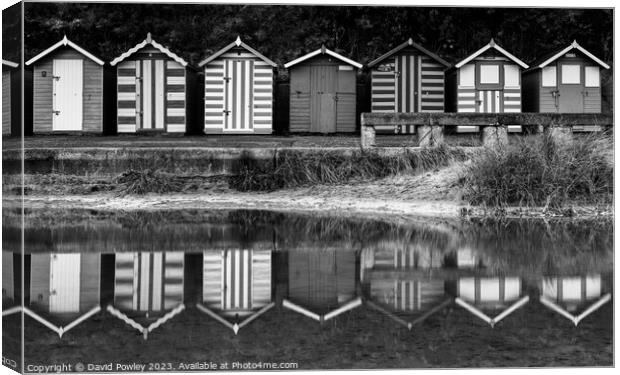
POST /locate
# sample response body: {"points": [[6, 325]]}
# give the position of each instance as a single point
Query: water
{"points": [[245, 289]]}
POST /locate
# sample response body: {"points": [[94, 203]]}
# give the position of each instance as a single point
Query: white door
{"points": [[64, 283], [67, 95]]}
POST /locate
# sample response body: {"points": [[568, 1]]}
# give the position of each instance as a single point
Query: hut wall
{"points": [[40, 280], [6, 101], [90, 271], [92, 92], [259, 76]]}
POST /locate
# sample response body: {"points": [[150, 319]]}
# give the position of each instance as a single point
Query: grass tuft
{"points": [[147, 181]]}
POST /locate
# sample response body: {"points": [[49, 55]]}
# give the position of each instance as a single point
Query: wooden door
{"points": [[489, 101], [406, 83], [64, 283], [238, 89], [152, 94], [323, 83], [570, 88], [67, 95]]}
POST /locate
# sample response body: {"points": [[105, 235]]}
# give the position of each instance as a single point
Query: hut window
{"points": [[467, 75], [511, 75], [593, 78], [571, 74], [489, 74], [549, 76]]}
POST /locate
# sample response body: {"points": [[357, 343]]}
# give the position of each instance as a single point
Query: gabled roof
{"points": [[10, 64], [236, 43], [548, 59], [150, 41], [319, 51], [64, 42], [491, 44], [408, 43]]}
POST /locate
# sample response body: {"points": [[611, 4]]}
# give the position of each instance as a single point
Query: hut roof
{"points": [[153, 43], [495, 46], [236, 43], [10, 64], [551, 57], [408, 43], [62, 43], [323, 51]]}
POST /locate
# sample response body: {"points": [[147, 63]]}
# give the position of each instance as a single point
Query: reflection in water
{"points": [[236, 267]]}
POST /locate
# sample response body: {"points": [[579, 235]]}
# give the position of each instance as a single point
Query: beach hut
{"points": [[8, 279], [238, 91], [64, 288], [574, 297], [409, 78], [67, 90], [10, 96], [566, 81], [322, 92], [487, 81], [236, 286], [153, 89]]}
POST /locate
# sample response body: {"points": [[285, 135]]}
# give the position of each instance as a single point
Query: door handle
{"points": [[335, 98], [57, 78], [56, 112]]}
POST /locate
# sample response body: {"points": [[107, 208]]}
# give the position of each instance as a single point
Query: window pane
{"points": [[467, 75], [511, 75], [593, 78], [489, 74], [571, 74], [549, 76]]}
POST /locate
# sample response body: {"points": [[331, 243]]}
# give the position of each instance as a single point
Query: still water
{"points": [[184, 290]]}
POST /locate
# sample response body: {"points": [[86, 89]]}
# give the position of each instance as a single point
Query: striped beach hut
{"points": [[152, 89], [323, 93], [10, 97], [149, 283], [487, 81], [409, 78], [565, 81], [65, 284], [238, 91], [237, 284], [67, 89]]}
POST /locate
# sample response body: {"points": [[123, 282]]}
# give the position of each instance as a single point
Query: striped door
{"points": [[64, 283], [406, 83], [152, 87], [67, 95], [489, 101], [238, 87], [149, 281]]}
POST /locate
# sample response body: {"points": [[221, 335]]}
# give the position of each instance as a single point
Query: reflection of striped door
{"points": [[489, 101], [152, 87], [149, 281], [406, 83], [238, 87], [237, 281], [413, 295], [65, 283], [489, 289]]}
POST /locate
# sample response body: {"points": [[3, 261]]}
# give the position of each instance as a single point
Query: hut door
{"points": [[406, 94], [67, 95], [489, 101], [570, 88], [238, 88], [153, 94], [323, 83], [65, 283]]}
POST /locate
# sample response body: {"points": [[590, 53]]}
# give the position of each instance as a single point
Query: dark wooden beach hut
{"points": [[153, 89], [566, 81], [10, 96], [238, 91], [409, 78], [322, 92], [67, 90]]}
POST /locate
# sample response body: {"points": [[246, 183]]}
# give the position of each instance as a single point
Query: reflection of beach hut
{"points": [[581, 295], [8, 280], [68, 89], [152, 89], [236, 285], [238, 90], [321, 283], [484, 295], [323, 92], [64, 287], [150, 285], [10, 96], [568, 80]]}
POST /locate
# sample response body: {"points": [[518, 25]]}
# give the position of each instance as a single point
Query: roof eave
{"points": [[486, 48], [10, 64], [65, 42], [237, 43], [573, 45], [143, 44]]}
